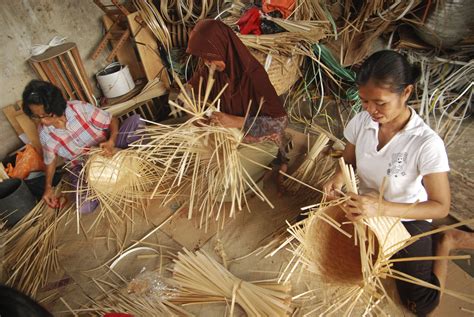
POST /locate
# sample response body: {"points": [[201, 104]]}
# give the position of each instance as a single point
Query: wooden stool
{"points": [[62, 66]]}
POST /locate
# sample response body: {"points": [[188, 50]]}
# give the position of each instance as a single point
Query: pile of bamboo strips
{"points": [[30, 247], [286, 43], [202, 279], [363, 24], [316, 167], [445, 93]]}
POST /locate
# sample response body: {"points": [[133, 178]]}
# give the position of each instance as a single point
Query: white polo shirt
{"points": [[412, 153]]}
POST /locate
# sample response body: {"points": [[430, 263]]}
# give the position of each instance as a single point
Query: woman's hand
{"points": [[50, 198], [227, 120], [359, 206], [108, 147], [332, 187]]}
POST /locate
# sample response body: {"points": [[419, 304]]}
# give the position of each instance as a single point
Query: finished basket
{"points": [[283, 71]]}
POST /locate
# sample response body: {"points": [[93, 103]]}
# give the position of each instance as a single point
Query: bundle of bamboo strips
{"points": [[286, 43], [122, 184], [30, 247], [202, 279], [316, 167], [200, 162], [359, 253]]}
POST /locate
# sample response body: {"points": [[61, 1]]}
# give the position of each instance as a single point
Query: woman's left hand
{"points": [[108, 147], [227, 120], [359, 206]]}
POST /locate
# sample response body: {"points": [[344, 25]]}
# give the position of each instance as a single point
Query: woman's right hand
{"points": [[333, 187], [50, 198]]}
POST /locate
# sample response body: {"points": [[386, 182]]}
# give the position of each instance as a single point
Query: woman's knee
{"points": [[418, 299]]}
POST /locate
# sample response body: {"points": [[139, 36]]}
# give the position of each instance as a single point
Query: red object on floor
{"points": [[284, 6], [117, 315], [249, 23]]}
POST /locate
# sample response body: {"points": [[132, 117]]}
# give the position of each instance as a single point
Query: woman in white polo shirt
{"points": [[390, 141]]}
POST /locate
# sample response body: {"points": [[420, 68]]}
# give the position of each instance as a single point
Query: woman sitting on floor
{"points": [[68, 129], [248, 84], [390, 141]]}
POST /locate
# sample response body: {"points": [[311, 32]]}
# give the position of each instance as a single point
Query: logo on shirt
{"points": [[397, 166]]}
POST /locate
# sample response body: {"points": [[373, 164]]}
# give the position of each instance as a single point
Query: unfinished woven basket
{"points": [[283, 71], [337, 256]]}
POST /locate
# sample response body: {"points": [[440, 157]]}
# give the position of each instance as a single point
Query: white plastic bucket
{"points": [[115, 80]]}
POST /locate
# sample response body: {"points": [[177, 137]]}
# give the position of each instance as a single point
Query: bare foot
{"points": [[458, 239]]}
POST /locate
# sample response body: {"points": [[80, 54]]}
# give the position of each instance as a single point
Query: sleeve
{"points": [[263, 125], [352, 130], [433, 157], [48, 155], [272, 104], [99, 118], [48, 152]]}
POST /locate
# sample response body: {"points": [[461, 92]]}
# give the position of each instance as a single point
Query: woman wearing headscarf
{"points": [[248, 87]]}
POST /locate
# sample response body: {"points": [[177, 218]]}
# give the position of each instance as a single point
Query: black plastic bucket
{"points": [[16, 201]]}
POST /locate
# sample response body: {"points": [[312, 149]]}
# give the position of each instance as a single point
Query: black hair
{"points": [[388, 68], [39, 92], [15, 304]]}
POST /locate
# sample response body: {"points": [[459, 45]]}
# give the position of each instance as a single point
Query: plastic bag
{"points": [[249, 23], [284, 6], [27, 161], [151, 285]]}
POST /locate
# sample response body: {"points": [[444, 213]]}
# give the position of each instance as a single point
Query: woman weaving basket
{"points": [[68, 129], [248, 85], [394, 150]]}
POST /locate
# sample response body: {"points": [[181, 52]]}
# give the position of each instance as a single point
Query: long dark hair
{"points": [[388, 68], [39, 92]]}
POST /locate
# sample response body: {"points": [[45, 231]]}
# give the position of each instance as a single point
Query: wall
{"points": [[28, 22]]}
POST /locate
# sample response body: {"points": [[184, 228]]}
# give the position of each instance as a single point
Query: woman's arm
{"points": [[109, 145], [437, 206], [48, 195], [227, 120]]}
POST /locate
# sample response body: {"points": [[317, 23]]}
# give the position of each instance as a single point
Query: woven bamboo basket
{"points": [[283, 71], [337, 256]]}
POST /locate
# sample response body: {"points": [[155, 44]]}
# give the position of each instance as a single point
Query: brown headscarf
{"points": [[247, 79]]}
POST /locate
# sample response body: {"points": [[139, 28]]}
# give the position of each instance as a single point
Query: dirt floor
{"points": [[241, 243]]}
